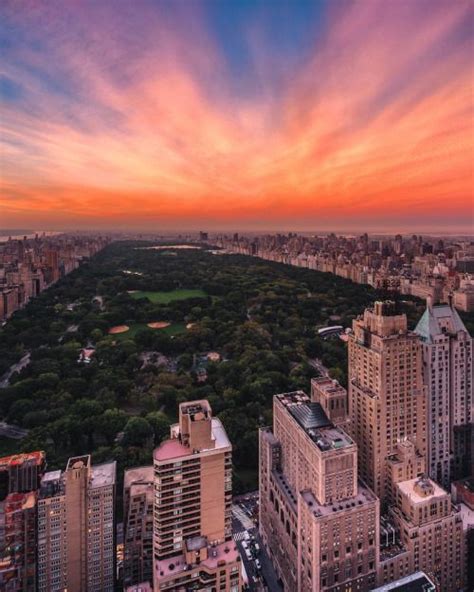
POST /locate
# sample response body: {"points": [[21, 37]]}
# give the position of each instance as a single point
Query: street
{"points": [[261, 576], [5, 379]]}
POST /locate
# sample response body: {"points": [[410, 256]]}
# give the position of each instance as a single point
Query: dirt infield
{"points": [[118, 329], [158, 325]]}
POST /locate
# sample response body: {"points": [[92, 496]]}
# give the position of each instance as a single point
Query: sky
{"points": [[232, 114]]}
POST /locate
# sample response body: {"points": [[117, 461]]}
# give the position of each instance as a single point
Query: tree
{"points": [[137, 432], [160, 425]]}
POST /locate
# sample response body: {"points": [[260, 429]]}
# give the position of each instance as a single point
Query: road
{"points": [[11, 431], [244, 517], [318, 365], [5, 380]]}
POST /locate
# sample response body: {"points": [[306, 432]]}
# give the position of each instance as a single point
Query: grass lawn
{"points": [[173, 329], [166, 297]]}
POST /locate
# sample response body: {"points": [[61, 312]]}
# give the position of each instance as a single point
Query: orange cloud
{"points": [[376, 125]]}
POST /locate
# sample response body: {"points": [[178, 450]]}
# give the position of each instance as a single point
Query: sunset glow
{"points": [[141, 114]]}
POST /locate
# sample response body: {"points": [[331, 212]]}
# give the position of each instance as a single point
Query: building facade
{"points": [[138, 496], [387, 399], [318, 523], [20, 476], [448, 375], [192, 534], [76, 528]]}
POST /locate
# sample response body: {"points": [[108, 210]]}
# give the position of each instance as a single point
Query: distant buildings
{"points": [[76, 528], [28, 266], [448, 375], [409, 265]]}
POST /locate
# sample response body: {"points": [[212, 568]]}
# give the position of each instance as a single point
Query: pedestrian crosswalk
{"points": [[239, 536]]}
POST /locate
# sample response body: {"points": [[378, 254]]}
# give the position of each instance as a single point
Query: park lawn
{"points": [[166, 297], [173, 329]]}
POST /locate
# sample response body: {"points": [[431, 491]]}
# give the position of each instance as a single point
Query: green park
{"points": [[260, 317]]}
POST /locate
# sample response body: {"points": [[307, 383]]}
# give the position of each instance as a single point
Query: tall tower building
{"points": [[387, 401], [76, 538], [20, 476], [448, 373], [138, 496], [192, 542], [319, 525]]}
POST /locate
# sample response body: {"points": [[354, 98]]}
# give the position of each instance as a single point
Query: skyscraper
{"points": [[320, 526], [20, 475], [448, 374], [387, 400], [18, 542], [192, 542], [76, 538], [138, 490]]}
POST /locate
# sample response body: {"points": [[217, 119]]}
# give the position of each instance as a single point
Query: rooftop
{"points": [[417, 582], [138, 475], [439, 320], [36, 457], [173, 448], [421, 490], [312, 418], [172, 566], [364, 496], [103, 475]]}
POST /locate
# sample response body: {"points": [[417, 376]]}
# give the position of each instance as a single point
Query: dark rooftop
{"points": [[310, 415]]}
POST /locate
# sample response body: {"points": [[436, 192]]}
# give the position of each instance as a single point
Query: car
{"points": [[245, 545], [246, 535], [258, 565], [256, 548], [248, 554]]}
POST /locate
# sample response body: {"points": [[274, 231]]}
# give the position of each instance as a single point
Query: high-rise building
{"points": [[432, 531], [318, 523], [138, 495], [192, 539], [448, 375], [20, 476], [18, 542], [76, 535], [387, 400]]}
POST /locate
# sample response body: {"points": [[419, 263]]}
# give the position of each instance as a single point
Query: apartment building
{"points": [[76, 528], [18, 542], [387, 398], [448, 374], [20, 475], [138, 496], [431, 528], [318, 523], [192, 535]]}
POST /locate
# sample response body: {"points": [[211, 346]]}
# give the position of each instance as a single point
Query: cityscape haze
{"points": [[236, 296]]}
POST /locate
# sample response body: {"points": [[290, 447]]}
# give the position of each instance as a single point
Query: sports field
{"points": [[172, 329], [166, 297]]}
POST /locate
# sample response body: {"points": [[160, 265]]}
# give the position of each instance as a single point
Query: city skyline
{"points": [[231, 115]]}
